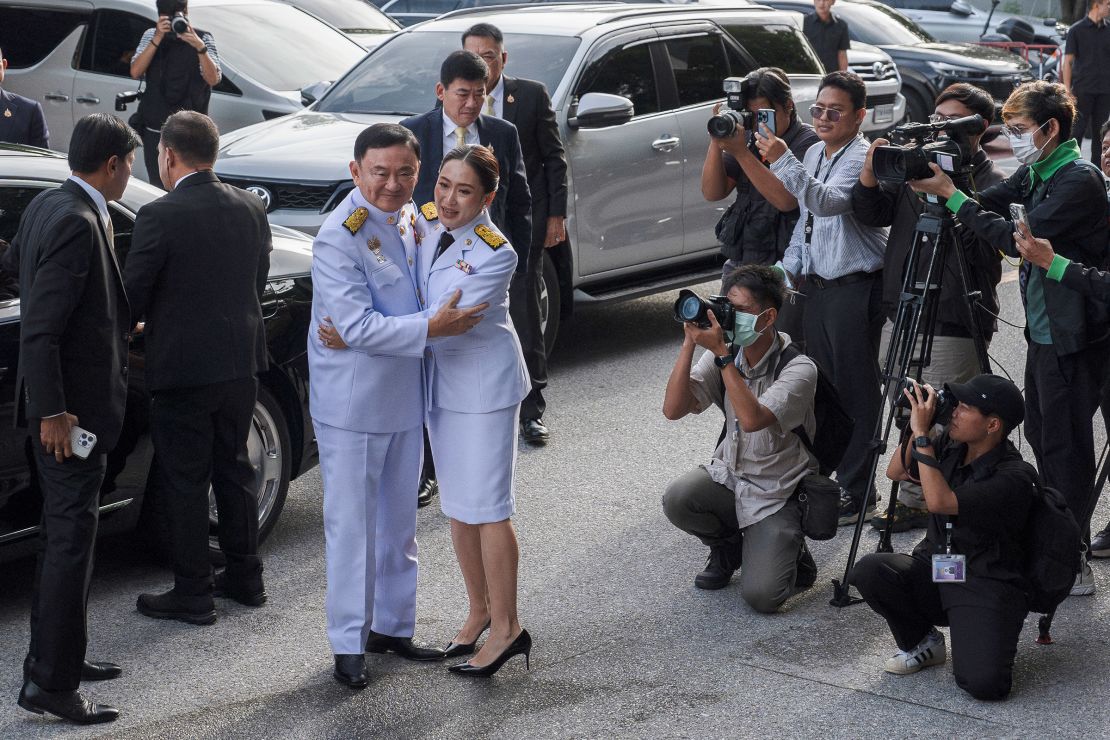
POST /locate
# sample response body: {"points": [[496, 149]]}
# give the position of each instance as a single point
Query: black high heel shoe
{"points": [[521, 645], [456, 649]]}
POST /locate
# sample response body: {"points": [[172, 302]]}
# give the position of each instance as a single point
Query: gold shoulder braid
{"points": [[429, 211], [489, 236], [357, 218]]}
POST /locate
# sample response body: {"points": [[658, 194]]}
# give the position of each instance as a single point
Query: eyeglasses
{"points": [[940, 118], [829, 114]]}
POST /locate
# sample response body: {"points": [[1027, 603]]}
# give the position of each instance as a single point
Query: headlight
{"points": [[943, 69]]}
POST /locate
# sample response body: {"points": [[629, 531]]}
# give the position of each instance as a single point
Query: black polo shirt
{"points": [[827, 38], [995, 493], [1090, 43]]}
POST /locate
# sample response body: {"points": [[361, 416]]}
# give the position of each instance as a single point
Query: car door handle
{"points": [[59, 97], [666, 143], [88, 99]]}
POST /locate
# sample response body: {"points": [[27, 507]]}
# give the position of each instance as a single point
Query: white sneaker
{"points": [[1084, 582], [930, 651]]}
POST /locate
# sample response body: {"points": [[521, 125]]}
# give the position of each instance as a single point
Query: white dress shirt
{"points": [[449, 139], [98, 199]]}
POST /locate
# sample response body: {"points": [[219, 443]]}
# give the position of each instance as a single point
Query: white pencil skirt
{"points": [[475, 459]]}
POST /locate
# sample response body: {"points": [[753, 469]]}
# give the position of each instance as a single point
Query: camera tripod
{"points": [[914, 326]]}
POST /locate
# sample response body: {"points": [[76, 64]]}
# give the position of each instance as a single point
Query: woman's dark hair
{"points": [[975, 99], [97, 138], [481, 160], [850, 83], [764, 283], [169, 7], [772, 83], [384, 136], [463, 65]]}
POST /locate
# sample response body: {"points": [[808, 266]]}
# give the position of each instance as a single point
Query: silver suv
{"points": [[632, 86]]}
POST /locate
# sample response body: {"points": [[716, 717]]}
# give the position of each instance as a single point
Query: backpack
{"points": [[834, 425], [1052, 544]]}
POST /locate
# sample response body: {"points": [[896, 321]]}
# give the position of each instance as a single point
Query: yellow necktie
{"points": [[460, 136], [489, 106]]}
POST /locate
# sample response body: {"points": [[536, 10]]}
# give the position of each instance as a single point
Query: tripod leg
{"points": [[884, 536]]}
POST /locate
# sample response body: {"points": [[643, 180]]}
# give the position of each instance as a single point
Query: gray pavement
{"points": [[625, 646]]}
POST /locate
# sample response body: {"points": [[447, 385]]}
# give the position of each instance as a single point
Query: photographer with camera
{"points": [[1061, 198], [968, 571], [743, 504], [837, 261], [179, 66], [899, 207], [756, 228]]}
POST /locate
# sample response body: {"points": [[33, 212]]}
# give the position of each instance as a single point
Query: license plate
{"points": [[884, 113]]}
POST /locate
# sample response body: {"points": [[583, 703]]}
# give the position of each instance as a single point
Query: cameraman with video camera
{"points": [[1062, 198], [968, 571], [899, 207], [756, 228], [180, 66], [744, 503]]}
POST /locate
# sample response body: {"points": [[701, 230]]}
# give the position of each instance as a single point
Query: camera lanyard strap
{"points": [[809, 214]]}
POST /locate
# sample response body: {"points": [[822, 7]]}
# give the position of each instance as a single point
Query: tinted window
{"points": [[353, 16], [436, 7], [28, 36], [14, 200], [111, 42], [699, 66], [778, 46], [944, 5], [627, 72], [400, 76], [880, 25]]}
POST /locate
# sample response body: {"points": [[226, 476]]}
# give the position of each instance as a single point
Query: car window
{"points": [[28, 35], [353, 16], [111, 41], [437, 7], [699, 66], [627, 72], [880, 25], [14, 200], [778, 46], [277, 45], [942, 5], [400, 75]]}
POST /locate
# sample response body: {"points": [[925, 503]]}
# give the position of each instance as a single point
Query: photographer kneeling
{"points": [[742, 504], [967, 572]]}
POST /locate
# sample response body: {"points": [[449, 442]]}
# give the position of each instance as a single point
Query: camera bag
{"points": [[1052, 544], [819, 497]]}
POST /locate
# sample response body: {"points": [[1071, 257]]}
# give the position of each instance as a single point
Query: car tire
{"points": [[270, 451], [551, 302]]}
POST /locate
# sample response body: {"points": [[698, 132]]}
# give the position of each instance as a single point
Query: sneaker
{"points": [[1100, 543], [723, 561], [930, 651], [806, 573], [850, 509], [905, 518], [1084, 582]]}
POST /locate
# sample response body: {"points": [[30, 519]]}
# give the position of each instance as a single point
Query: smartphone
{"points": [[1020, 218], [82, 442], [765, 116]]}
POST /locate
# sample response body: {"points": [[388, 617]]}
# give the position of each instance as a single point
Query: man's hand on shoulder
{"points": [[54, 435], [450, 321]]}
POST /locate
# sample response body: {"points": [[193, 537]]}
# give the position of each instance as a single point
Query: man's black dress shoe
{"points": [[429, 489], [351, 670], [89, 671], [403, 646], [65, 704], [456, 649], [522, 645], [173, 605], [534, 431], [247, 592]]}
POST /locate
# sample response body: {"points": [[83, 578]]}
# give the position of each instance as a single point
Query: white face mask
{"points": [[1024, 149]]}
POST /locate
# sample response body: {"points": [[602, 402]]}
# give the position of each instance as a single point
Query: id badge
{"points": [[949, 568]]}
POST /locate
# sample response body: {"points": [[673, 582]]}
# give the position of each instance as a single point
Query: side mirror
{"points": [[123, 99], [961, 7], [311, 93], [600, 110]]}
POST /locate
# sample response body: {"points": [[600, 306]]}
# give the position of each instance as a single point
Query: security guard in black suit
{"points": [[21, 119]]}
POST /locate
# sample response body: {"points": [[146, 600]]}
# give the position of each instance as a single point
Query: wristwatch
{"points": [[922, 442], [723, 361]]}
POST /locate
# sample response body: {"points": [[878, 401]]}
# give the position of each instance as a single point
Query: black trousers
{"points": [[843, 325], [524, 310], [1093, 110], [1061, 396], [150, 156], [70, 510], [200, 437], [900, 589]]}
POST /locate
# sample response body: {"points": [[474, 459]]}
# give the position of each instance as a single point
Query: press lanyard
{"points": [[948, 538], [949, 568]]}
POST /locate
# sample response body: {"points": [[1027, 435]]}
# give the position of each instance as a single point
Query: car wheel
{"points": [[550, 302]]}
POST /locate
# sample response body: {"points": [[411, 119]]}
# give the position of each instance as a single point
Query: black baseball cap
{"points": [[991, 394]]}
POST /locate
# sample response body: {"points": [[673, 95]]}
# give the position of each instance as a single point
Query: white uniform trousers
{"points": [[370, 532]]}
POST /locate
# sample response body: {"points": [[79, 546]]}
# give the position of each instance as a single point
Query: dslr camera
{"points": [[944, 143], [179, 24], [946, 402], [724, 124], [692, 308]]}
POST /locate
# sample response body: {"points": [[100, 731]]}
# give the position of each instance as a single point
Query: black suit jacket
{"points": [[22, 121], [512, 208], [528, 107], [75, 320], [199, 261]]}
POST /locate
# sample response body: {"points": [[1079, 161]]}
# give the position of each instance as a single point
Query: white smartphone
{"points": [[1020, 218], [82, 442]]}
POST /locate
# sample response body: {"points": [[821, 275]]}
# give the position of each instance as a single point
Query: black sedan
{"points": [[281, 444]]}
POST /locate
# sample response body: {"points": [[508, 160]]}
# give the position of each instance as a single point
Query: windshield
{"points": [[353, 16], [400, 76], [277, 45], [880, 25]]}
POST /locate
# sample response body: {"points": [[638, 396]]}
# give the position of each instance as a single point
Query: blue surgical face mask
{"points": [[744, 332]]}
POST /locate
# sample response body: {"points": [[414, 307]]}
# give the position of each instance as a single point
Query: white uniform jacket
{"points": [[482, 370], [364, 277]]}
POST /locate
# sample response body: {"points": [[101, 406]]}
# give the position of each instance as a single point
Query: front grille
{"points": [[292, 195], [876, 100], [875, 72]]}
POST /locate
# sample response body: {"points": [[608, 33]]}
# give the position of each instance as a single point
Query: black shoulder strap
{"points": [[788, 353]]}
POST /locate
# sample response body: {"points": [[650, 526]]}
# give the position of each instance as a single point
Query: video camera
{"points": [[724, 124], [945, 143]]}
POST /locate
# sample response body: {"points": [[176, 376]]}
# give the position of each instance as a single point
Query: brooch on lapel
{"points": [[357, 218], [429, 211], [489, 236], [375, 245], [464, 266], [7, 113], [510, 99]]}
